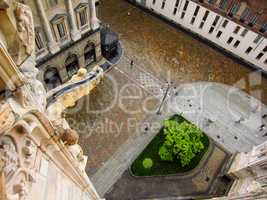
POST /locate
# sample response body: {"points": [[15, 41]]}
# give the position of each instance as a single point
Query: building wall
{"points": [[226, 32], [55, 49], [58, 60]]}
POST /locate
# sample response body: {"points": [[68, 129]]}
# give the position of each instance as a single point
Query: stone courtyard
{"points": [[162, 55], [170, 53]]}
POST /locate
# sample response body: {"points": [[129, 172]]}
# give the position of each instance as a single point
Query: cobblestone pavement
{"points": [[171, 54], [105, 122], [144, 79]]}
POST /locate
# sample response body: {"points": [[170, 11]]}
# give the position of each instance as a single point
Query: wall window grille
{"points": [[230, 40], [177, 3], [174, 11], [244, 32], [257, 39], [61, 29], [83, 17], [201, 25], [183, 14], [216, 20], [38, 40], [237, 29], [248, 50], [211, 30], [176, 7], [219, 34], [163, 4], [237, 43], [196, 11], [206, 15], [225, 23], [193, 20], [186, 5], [259, 56]]}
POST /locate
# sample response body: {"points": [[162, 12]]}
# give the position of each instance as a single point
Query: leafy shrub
{"points": [[182, 140], [147, 163]]}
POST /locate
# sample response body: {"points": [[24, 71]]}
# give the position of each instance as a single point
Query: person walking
{"points": [[132, 63]]}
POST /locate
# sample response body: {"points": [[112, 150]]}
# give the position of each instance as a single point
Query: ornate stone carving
{"points": [[77, 152], [22, 97], [29, 150], [15, 166], [33, 96], [21, 189], [69, 137], [39, 92], [9, 158], [36, 87], [25, 30], [7, 117]]}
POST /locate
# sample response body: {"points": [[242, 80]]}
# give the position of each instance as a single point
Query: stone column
{"points": [[52, 45], [93, 19], [75, 34]]}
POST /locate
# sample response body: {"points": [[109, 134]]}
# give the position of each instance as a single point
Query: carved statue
{"points": [[8, 156], [25, 30], [81, 74]]}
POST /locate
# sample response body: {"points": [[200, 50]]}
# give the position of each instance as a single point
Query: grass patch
{"points": [[160, 167]]}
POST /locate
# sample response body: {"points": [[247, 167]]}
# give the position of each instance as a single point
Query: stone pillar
{"points": [[52, 45], [93, 19], [75, 34]]}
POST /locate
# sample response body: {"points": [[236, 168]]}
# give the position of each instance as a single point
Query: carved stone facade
{"points": [[39, 159]]}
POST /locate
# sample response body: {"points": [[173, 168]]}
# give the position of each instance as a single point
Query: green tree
{"points": [[182, 140]]}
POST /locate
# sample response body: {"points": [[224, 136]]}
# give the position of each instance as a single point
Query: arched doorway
{"points": [[72, 65], [52, 78], [89, 54]]}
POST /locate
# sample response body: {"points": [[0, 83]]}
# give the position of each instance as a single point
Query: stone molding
{"points": [[22, 148], [9, 72]]}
